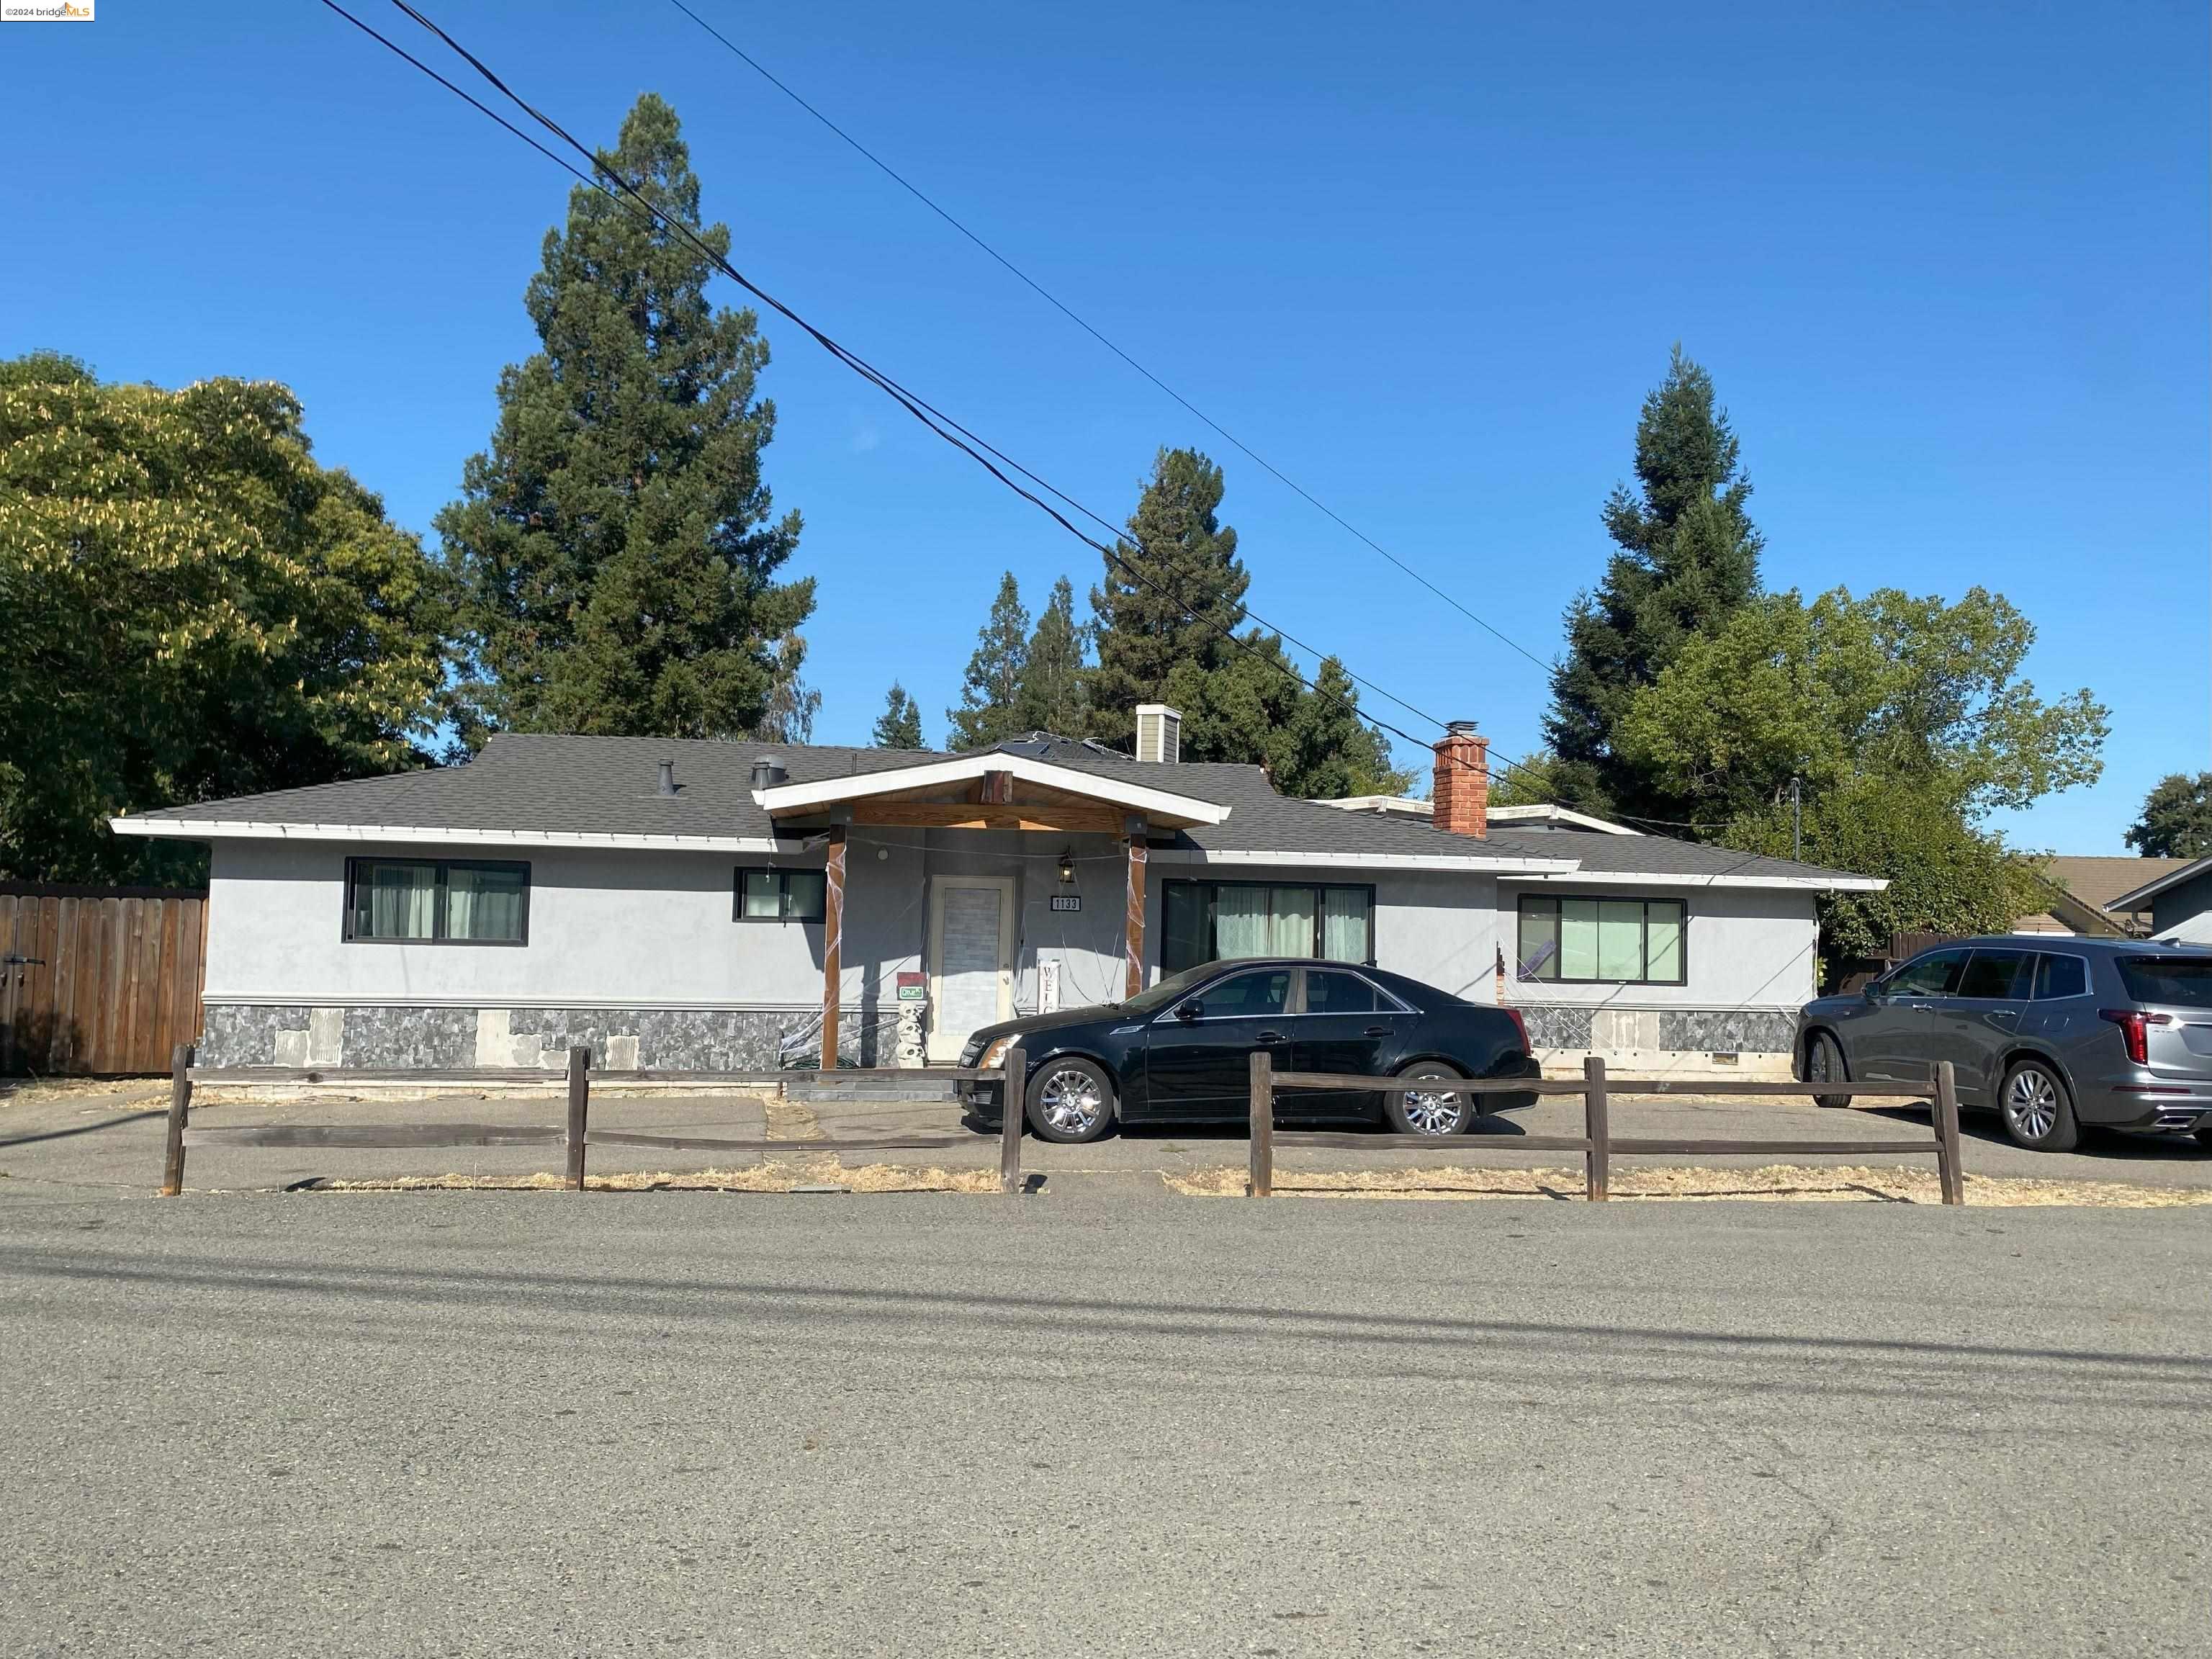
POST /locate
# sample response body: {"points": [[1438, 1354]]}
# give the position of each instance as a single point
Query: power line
{"points": [[1060, 305], [977, 449]]}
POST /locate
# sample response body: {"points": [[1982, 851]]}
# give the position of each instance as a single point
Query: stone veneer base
{"points": [[400, 1037]]}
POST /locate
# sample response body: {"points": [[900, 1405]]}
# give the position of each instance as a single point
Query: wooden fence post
{"points": [[180, 1107], [1013, 1088], [1597, 1163], [1263, 1124], [579, 1104], [1952, 1178]]}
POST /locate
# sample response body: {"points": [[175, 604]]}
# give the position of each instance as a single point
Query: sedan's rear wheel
{"points": [[1070, 1101], [1824, 1063], [1431, 1112], [2039, 1112]]}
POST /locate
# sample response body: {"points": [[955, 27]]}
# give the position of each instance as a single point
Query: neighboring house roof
{"points": [[1541, 817], [2170, 873], [542, 790]]}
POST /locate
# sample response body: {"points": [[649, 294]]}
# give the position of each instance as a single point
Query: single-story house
{"points": [[2177, 898], [691, 905], [2086, 895]]}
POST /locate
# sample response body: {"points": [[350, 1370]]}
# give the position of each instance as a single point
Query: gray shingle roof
{"points": [[607, 786]]}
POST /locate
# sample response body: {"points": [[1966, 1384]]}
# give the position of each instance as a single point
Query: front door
{"points": [[971, 959], [1889, 1042], [1976, 1024], [1347, 1026], [1198, 1054]]}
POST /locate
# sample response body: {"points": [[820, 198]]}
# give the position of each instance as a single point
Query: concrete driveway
{"points": [[112, 1137]]}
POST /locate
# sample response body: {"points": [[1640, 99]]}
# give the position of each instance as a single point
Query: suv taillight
{"points": [[2134, 1030], [1521, 1026]]}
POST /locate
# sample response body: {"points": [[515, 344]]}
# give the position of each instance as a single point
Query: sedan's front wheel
{"points": [[1431, 1111], [1070, 1101], [2039, 1112]]}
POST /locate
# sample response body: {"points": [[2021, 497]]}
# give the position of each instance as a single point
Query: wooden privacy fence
{"points": [[98, 979], [577, 1135], [1597, 1144]]}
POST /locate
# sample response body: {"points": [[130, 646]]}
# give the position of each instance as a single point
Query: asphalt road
{"points": [[1098, 1420]]}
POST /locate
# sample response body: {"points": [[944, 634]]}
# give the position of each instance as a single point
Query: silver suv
{"points": [[2053, 1033]]}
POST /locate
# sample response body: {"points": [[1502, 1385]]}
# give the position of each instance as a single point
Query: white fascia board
{"points": [[1780, 883], [1558, 815], [1502, 867], [1137, 797], [221, 829]]}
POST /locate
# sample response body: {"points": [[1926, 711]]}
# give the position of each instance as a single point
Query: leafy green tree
{"points": [[899, 727], [2176, 819], [1329, 750], [990, 707], [190, 608], [1906, 722], [615, 546], [1889, 686], [1173, 615], [1053, 695], [1686, 559]]}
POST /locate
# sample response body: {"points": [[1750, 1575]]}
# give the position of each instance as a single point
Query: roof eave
{"points": [[425, 835], [2135, 899], [963, 768]]}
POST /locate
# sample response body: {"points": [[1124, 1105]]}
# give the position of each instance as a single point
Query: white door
{"points": [[971, 959]]}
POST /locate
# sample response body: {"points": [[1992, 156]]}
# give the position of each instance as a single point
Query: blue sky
{"points": [[1948, 265]]}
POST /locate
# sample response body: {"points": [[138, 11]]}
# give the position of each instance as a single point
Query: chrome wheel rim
{"points": [[2032, 1104], [1438, 1114], [1071, 1101]]}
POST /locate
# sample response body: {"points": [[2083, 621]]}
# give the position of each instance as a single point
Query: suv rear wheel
{"points": [[2039, 1112]]}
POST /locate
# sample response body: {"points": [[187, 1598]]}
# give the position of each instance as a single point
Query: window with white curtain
{"points": [[1601, 941], [437, 902], [1218, 921]]}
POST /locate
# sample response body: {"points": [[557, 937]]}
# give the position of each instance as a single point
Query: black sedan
{"points": [[1180, 1052]]}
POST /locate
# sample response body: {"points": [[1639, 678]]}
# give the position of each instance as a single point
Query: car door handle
{"points": [[1270, 1036], [1376, 1030]]}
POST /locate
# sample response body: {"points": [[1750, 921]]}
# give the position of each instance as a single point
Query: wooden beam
{"points": [[833, 942], [998, 788], [956, 815], [1132, 919]]}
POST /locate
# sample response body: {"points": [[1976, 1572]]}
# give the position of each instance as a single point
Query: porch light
{"points": [[1067, 868]]}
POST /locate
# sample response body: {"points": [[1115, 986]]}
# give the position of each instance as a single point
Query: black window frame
{"points": [[2022, 988], [1557, 901], [2045, 965], [1212, 943], [438, 933], [782, 872]]}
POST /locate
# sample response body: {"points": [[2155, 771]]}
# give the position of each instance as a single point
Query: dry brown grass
{"points": [[1784, 1181], [88, 1091], [776, 1176]]}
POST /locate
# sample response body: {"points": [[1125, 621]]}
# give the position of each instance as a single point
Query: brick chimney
{"points": [[1460, 794]]}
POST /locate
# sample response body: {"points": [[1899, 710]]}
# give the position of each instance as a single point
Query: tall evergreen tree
{"points": [[1193, 591], [990, 692], [1688, 558], [899, 727], [1054, 696], [2176, 819], [615, 545]]}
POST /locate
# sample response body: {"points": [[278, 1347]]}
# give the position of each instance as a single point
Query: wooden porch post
{"points": [[833, 942], [1133, 922]]}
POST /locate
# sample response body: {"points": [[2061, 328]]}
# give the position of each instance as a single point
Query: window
{"points": [[1247, 996], [437, 902], [1338, 994], [781, 895], [1931, 975], [1206, 922], [2176, 982], [1991, 976], [1602, 941], [2061, 977]]}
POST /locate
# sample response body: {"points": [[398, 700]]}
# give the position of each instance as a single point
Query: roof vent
{"points": [[767, 772], [667, 777], [1159, 733]]}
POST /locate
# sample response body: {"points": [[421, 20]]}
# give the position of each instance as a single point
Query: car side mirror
{"points": [[1187, 1012], [1873, 991]]}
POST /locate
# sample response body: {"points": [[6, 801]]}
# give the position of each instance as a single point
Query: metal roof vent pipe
{"points": [[667, 777], [767, 772]]}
